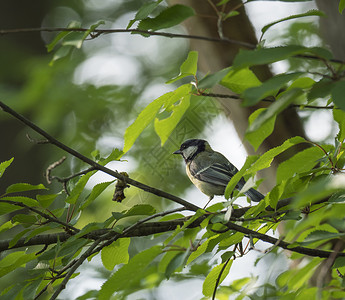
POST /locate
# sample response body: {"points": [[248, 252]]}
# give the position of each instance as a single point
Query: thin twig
{"points": [[98, 32], [42, 214], [218, 278], [238, 97]]}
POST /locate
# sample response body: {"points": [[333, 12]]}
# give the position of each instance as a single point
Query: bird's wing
{"points": [[217, 174]]}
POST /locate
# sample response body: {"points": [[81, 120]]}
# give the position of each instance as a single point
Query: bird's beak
{"points": [[177, 152]]}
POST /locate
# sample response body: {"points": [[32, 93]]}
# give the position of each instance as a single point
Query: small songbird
{"points": [[210, 171]]}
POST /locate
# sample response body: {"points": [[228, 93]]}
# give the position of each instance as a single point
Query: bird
{"points": [[210, 171]]}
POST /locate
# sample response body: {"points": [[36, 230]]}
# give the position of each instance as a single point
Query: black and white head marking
{"points": [[190, 148]]}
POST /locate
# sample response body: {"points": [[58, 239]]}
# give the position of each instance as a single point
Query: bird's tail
{"points": [[254, 195]]}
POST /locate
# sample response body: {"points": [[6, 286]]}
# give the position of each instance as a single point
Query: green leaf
{"points": [[96, 191], [26, 220], [257, 137], [339, 262], [146, 10], [140, 210], [240, 80], [236, 178], [6, 208], [176, 105], [78, 189], [320, 235], [263, 56], [178, 262], [116, 154], [23, 187], [320, 189], [143, 120], [188, 68], [16, 237], [268, 88], [339, 117], [4, 165], [211, 279], [266, 159], [303, 161], [341, 6], [312, 12], [46, 200], [25, 200], [130, 273], [14, 260], [321, 89], [211, 80], [169, 17], [59, 37], [338, 92], [116, 253], [285, 99], [60, 53]]}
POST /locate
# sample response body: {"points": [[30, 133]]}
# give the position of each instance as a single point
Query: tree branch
{"points": [[97, 32], [95, 165], [238, 97]]}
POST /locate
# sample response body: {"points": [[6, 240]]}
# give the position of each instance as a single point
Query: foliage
{"points": [[49, 232]]}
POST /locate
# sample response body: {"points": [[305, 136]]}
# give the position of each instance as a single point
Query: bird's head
{"points": [[190, 148]]}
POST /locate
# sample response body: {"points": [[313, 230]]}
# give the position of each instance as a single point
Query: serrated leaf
{"points": [[211, 80], [257, 137], [14, 260], [236, 178], [176, 263], [321, 89], [169, 17], [188, 68], [140, 210], [116, 154], [240, 80], [24, 219], [303, 161], [320, 235], [23, 187], [285, 99], [164, 127], [130, 273], [338, 92], [78, 189], [265, 160], [339, 262], [4, 165], [46, 200], [320, 189], [268, 88], [210, 281], [116, 253], [96, 191], [16, 238], [312, 12], [263, 56], [25, 200], [146, 116], [339, 117]]}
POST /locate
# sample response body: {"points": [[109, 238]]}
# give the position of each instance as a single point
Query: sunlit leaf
{"points": [[4, 165], [116, 253], [188, 67], [23, 187], [129, 274], [210, 282]]}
